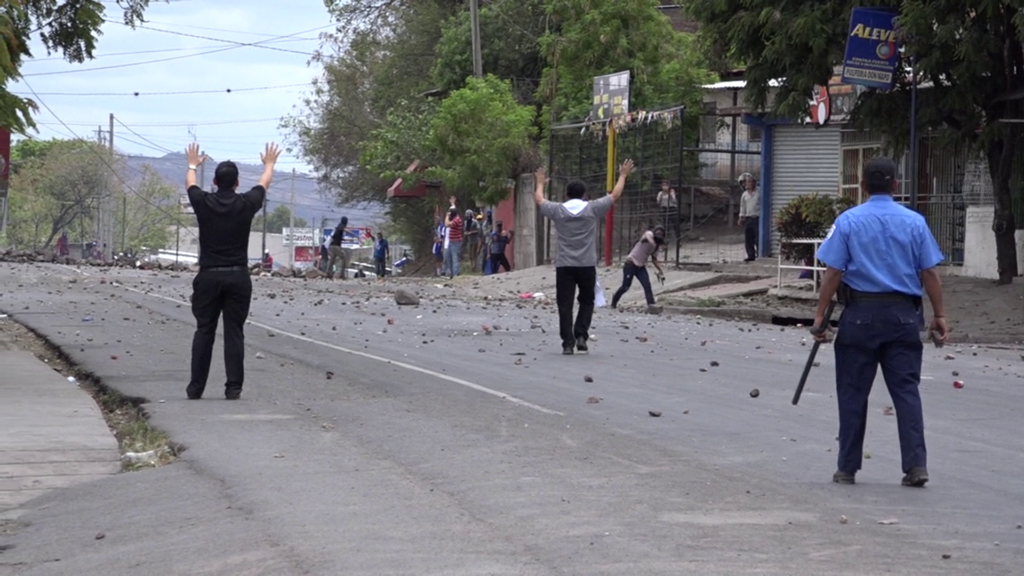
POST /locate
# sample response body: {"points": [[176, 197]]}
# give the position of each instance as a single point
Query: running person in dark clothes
{"points": [[223, 285]]}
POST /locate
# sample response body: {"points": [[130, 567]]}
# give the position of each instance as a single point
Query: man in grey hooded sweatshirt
{"points": [[576, 221]]}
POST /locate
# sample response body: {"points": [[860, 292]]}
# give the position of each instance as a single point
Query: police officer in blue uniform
{"points": [[881, 258]]}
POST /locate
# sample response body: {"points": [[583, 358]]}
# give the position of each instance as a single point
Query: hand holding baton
{"points": [[816, 330]]}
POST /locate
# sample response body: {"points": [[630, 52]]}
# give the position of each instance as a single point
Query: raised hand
{"points": [[627, 168], [270, 154], [193, 154]]}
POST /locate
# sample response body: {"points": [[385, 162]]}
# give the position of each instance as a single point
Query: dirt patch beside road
{"points": [[977, 310]]}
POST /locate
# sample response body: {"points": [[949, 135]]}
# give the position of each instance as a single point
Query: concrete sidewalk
{"points": [[52, 433]]}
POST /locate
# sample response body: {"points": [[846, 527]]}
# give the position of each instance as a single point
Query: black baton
{"points": [[814, 351]]}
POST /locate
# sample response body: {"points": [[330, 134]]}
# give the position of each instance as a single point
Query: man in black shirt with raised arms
{"points": [[223, 284]]}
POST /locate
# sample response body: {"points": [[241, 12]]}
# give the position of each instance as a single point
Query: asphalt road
{"points": [[437, 448]]}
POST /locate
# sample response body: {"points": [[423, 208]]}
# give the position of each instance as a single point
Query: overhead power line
{"points": [[154, 144], [164, 50], [234, 46], [177, 93], [261, 44], [166, 124], [103, 159]]}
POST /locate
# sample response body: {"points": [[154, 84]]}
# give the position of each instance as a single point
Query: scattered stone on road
{"points": [[593, 400], [655, 413], [588, 378], [404, 297], [330, 375], [755, 393]]}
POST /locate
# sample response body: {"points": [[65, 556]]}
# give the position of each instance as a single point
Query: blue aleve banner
{"points": [[872, 49]]}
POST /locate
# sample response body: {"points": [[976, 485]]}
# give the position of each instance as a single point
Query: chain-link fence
{"points": [[685, 181]]}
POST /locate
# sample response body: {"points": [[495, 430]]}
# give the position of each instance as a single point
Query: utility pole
{"points": [[474, 17], [263, 250], [97, 234], [202, 171], [124, 221], [291, 224], [108, 204]]}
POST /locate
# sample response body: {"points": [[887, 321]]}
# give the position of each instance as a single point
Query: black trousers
{"points": [[498, 260], [568, 281], [750, 229], [381, 267], [630, 271], [214, 294], [876, 334]]}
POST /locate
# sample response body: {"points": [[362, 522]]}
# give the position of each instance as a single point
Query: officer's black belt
{"points": [[857, 295], [223, 268]]}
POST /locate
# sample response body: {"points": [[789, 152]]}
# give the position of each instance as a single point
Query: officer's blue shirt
{"points": [[881, 246]]}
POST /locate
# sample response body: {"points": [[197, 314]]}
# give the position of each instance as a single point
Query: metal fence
{"points": [[688, 187]]}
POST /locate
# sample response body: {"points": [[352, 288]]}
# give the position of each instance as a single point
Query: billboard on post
{"points": [[611, 96], [872, 48], [299, 237]]}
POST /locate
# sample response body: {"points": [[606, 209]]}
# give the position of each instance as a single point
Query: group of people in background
{"points": [[334, 258], [485, 242]]}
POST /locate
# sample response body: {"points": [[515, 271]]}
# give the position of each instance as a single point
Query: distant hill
{"points": [[309, 204]]}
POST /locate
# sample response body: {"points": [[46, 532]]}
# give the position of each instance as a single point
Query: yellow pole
{"points": [[610, 218]]}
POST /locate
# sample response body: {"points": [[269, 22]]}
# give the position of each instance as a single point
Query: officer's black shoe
{"points": [[567, 350], [232, 393], [194, 392], [917, 477], [581, 345], [841, 477]]}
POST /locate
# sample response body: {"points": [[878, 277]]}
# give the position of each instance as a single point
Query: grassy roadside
{"points": [[142, 446]]}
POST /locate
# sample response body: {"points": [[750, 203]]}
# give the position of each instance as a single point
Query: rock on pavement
{"points": [[406, 298]]}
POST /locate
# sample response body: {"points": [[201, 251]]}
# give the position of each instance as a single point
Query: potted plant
{"points": [[808, 216]]}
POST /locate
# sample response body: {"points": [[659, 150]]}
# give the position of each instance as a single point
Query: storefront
{"points": [[824, 154]]}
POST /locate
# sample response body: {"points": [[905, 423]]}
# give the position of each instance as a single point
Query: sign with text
{"points": [[355, 237], [299, 236], [872, 50], [611, 96]]}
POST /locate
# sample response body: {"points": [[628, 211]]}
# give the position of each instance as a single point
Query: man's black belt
{"points": [[223, 268], [884, 297]]}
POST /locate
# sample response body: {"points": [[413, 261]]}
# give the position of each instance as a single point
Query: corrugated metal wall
{"points": [[804, 160]]}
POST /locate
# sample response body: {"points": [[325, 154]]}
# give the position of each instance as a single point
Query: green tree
{"points": [[58, 189], [375, 62], [148, 214], [470, 142], [593, 37], [480, 134], [509, 33], [968, 57], [70, 27], [279, 219]]}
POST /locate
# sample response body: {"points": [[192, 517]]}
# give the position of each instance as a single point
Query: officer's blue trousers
{"points": [[875, 333]]}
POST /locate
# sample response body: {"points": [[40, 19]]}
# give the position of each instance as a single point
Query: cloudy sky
{"points": [[186, 47]]}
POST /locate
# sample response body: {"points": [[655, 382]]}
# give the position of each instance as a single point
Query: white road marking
{"points": [[405, 365]]}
